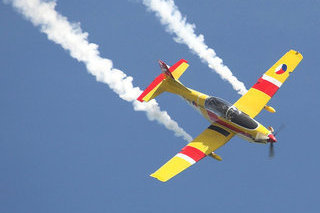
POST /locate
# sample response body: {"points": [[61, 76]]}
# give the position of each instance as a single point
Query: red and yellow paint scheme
{"points": [[226, 119]]}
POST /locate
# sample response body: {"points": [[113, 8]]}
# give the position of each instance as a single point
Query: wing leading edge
{"points": [[208, 141]]}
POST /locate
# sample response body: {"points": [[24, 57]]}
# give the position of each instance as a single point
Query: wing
{"points": [[208, 141], [258, 96]]}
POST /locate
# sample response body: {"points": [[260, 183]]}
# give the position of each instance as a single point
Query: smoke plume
{"points": [[71, 38], [175, 23]]}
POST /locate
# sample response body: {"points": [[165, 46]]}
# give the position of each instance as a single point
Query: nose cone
{"points": [[272, 138]]}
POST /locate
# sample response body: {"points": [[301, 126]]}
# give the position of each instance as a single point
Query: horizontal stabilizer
{"points": [[160, 84]]}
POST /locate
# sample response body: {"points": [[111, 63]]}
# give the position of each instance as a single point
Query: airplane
{"points": [[227, 120]]}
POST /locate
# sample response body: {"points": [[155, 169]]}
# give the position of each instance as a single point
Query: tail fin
{"points": [[159, 84]]}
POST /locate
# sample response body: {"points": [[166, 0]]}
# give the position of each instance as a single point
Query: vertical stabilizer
{"points": [[166, 81]]}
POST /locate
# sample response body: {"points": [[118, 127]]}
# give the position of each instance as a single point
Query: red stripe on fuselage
{"points": [[193, 153], [216, 119], [176, 65], [212, 116], [266, 87]]}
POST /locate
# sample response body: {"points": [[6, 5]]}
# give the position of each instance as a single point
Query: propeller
{"points": [[281, 127], [271, 147], [271, 150]]}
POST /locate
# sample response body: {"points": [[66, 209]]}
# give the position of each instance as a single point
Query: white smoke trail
{"points": [[175, 23], [71, 38]]}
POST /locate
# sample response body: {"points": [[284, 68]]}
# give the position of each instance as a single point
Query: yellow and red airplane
{"points": [[226, 119]]}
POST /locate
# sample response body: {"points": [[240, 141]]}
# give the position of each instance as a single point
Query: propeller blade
{"points": [[271, 150], [279, 129]]}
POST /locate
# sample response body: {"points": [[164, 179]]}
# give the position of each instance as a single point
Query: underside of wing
{"points": [[261, 92], [208, 141]]}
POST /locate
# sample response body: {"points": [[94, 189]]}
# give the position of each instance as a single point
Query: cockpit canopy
{"points": [[226, 110], [217, 106]]}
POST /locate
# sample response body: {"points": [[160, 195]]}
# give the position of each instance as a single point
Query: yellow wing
{"points": [[208, 141], [258, 96]]}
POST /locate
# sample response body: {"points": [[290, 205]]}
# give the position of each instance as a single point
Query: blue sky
{"points": [[70, 144]]}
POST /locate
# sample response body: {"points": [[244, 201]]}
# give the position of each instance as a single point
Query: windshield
{"points": [[226, 110], [217, 105]]}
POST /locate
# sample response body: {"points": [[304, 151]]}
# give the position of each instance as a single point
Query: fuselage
{"points": [[219, 111]]}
